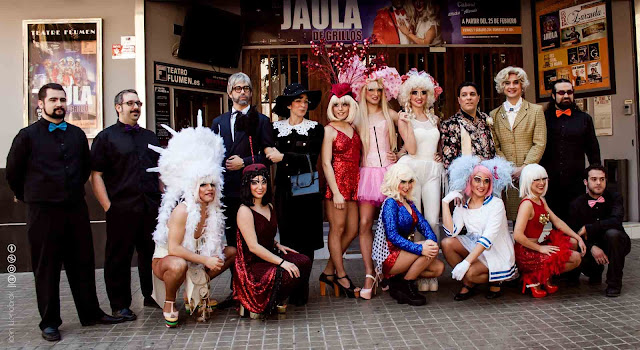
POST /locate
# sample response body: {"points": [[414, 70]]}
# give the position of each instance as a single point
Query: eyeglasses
{"points": [[563, 92], [131, 103], [415, 92], [242, 88]]}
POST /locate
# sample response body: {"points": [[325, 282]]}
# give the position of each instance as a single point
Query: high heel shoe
{"points": [[492, 294], [535, 292], [324, 282], [171, 318], [550, 288], [348, 291], [368, 293]]}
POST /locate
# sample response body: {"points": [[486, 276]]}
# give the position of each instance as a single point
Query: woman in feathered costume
{"points": [[377, 129], [190, 226], [485, 253]]}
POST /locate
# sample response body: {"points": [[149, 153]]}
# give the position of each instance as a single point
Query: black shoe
{"points": [[51, 334], [405, 292], [595, 280], [348, 291], [464, 296], [150, 302], [126, 314], [612, 292], [494, 294], [102, 319], [226, 303]]}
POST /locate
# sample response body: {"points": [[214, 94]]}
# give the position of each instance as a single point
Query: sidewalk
{"points": [[574, 318]]}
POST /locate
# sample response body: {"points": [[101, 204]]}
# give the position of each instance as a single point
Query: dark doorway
{"points": [[187, 103]]}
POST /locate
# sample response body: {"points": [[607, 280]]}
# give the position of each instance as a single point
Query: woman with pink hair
{"points": [[485, 253]]}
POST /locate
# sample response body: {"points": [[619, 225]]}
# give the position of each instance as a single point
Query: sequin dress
{"points": [[260, 285], [399, 225], [536, 267], [345, 162]]}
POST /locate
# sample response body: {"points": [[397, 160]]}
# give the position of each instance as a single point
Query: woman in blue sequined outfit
{"points": [[396, 255]]}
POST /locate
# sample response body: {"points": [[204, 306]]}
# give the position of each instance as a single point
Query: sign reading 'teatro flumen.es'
{"points": [[172, 74]]}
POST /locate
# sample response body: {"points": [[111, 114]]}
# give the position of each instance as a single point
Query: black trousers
{"points": [[60, 234], [232, 204], [300, 294], [616, 244], [127, 230]]}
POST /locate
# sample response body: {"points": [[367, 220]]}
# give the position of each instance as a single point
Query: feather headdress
{"points": [[462, 167], [194, 156]]}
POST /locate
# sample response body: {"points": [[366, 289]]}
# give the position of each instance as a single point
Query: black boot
{"points": [[416, 299], [406, 292]]}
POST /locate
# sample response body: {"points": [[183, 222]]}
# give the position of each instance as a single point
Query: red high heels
{"points": [[535, 292], [550, 288]]}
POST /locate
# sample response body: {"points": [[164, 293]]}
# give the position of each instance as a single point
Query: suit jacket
{"points": [[524, 144], [385, 28], [240, 146], [596, 220]]}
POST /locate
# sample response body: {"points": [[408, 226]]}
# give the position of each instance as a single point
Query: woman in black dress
{"points": [[297, 147]]}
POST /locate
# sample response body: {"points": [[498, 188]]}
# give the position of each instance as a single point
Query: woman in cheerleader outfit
{"points": [[538, 255], [417, 95], [485, 253], [377, 130]]}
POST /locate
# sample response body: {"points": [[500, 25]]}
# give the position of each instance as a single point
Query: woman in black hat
{"points": [[297, 193]]}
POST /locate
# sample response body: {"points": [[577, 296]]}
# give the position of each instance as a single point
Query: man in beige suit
{"points": [[519, 129]]}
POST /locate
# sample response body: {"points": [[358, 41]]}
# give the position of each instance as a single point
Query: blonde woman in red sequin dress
{"points": [[538, 255], [341, 148]]}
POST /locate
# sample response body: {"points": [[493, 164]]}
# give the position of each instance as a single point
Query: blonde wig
{"points": [[362, 123], [503, 76], [354, 111], [393, 177], [529, 174]]}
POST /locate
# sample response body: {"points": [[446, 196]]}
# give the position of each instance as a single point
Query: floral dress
{"points": [[451, 136]]}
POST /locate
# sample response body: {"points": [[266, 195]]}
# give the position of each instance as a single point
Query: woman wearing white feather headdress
{"points": [[190, 230], [418, 93], [485, 253]]}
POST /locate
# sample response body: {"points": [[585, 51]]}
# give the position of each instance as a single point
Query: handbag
{"points": [[305, 183]]}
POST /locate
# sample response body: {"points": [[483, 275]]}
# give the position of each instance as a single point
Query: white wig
{"points": [[393, 177], [529, 174], [354, 110], [194, 156], [503, 76], [237, 78], [417, 81]]}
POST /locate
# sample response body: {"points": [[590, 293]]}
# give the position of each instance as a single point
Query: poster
{"points": [[67, 52], [125, 50], [398, 22], [161, 100], [602, 116], [573, 41]]}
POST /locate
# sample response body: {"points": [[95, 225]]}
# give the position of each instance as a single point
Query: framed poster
{"points": [[573, 41], [67, 52]]}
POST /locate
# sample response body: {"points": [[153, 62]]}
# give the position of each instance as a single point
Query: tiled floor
{"points": [[575, 318]]}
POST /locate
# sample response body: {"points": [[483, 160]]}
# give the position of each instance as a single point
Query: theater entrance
{"points": [[187, 102]]}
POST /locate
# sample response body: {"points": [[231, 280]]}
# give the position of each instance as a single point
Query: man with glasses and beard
{"points": [[570, 136], [246, 134], [130, 197], [47, 167]]}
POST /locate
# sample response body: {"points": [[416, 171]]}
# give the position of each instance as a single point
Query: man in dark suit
{"points": [[47, 167], [246, 134], [598, 215], [570, 136]]}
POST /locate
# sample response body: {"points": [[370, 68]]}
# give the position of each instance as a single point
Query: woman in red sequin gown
{"points": [[341, 165], [539, 257], [266, 271]]}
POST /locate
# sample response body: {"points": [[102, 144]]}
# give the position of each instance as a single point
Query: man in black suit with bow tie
{"points": [[246, 135]]}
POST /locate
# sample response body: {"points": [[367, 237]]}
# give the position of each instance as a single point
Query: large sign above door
{"points": [[171, 74], [397, 22]]}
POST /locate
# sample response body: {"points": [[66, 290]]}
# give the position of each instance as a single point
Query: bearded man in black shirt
{"points": [[47, 167]]}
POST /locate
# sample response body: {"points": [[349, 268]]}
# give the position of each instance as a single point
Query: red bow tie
{"points": [[566, 112], [593, 202], [400, 12]]}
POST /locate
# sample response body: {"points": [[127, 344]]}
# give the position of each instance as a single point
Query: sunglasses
{"points": [[563, 92]]}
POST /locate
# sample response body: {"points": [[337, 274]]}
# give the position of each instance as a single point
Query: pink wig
{"points": [[483, 170]]}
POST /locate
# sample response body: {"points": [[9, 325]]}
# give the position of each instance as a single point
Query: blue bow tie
{"points": [[510, 109], [62, 126], [129, 128]]}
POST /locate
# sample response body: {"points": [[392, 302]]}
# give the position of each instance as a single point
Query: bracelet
{"points": [[280, 264]]}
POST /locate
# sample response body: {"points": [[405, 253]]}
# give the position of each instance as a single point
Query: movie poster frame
{"points": [[99, 58], [611, 57]]}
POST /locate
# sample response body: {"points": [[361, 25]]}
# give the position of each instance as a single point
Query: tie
{"points": [[129, 128], [593, 202], [62, 126], [566, 112]]}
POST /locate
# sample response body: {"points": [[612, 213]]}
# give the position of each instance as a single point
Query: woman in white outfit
{"points": [[417, 95]]}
